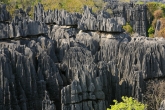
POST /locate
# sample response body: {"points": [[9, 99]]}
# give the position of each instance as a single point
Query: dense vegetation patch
{"points": [[128, 103], [69, 5], [157, 11]]}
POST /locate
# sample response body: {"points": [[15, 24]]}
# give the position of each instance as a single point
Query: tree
{"points": [[154, 94], [128, 104]]}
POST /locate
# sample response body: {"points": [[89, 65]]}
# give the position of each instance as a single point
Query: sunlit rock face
{"points": [[72, 63], [138, 16]]}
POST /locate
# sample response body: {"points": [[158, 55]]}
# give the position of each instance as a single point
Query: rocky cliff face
{"points": [[50, 64], [136, 15]]}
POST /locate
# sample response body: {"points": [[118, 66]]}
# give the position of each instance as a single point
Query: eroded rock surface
{"points": [[53, 66], [137, 15], [59, 17], [100, 22]]}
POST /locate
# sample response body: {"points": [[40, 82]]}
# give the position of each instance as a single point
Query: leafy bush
{"points": [[151, 30], [128, 104], [128, 28]]}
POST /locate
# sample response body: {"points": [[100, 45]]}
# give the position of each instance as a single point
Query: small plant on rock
{"points": [[128, 28]]}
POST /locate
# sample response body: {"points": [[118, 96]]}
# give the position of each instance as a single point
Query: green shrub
{"points": [[128, 103], [151, 30], [128, 28]]}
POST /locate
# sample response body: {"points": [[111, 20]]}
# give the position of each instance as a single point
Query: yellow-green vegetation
{"points": [[128, 103], [124, 1], [13, 5], [73, 5], [157, 11], [152, 6], [69, 5], [151, 31], [128, 28], [139, 2]]}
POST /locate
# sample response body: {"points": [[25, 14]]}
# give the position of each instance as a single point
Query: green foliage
{"points": [[73, 5], [153, 6], [151, 30], [157, 11], [124, 1], [139, 2], [128, 104], [69, 5], [13, 5], [128, 28]]}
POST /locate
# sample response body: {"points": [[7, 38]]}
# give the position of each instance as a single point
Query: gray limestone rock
{"points": [[27, 74], [62, 67], [137, 15], [4, 14], [59, 17], [21, 26], [100, 22]]}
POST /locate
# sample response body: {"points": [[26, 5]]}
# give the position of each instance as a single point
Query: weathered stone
{"points": [[54, 67], [100, 22], [137, 15], [4, 14], [59, 17]]}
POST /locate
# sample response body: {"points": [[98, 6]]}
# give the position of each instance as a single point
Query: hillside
{"points": [[69, 5]]}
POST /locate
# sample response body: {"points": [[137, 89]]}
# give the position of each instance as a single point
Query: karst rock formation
{"points": [[72, 61]]}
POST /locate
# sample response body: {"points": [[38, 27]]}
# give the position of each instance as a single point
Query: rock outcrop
{"points": [[59, 17], [50, 64], [137, 15], [100, 22], [4, 14], [20, 26]]}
